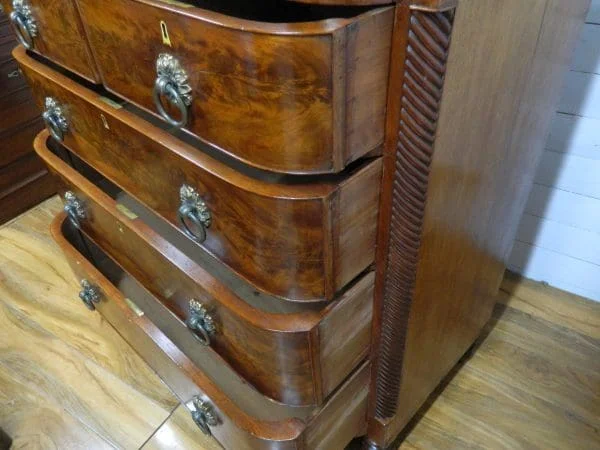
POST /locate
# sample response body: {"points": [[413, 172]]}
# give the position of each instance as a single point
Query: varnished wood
{"points": [[237, 427], [542, 332], [58, 362], [303, 97], [299, 240], [438, 5], [423, 46], [17, 108], [18, 141], [276, 352], [520, 367], [18, 173], [452, 190], [24, 180], [11, 79], [180, 432], [60, 38], [26, 193], [477, 171]]}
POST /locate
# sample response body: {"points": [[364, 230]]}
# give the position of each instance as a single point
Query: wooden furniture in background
{"points": [[24, 180], [417, 125]]}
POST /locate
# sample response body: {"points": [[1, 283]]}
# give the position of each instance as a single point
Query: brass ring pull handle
{"points": [[74, 208], [200, 322], [25, 25], [204, 415], [55, 119], [89, 294], [171, 83], [193, 209]]}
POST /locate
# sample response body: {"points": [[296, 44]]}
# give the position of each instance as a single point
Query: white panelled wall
{"points": [[559, 236]]}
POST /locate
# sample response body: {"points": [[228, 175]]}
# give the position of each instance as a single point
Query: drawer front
{"points": [[297, 358], [5, 32], [20, 172], [11, 78], [53, 29], [17, 108], [18, 141], [300, 242], [293, 98], [242, 419], [7, 43]]}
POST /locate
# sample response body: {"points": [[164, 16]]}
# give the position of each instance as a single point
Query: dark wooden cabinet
{"points": [[24, 180], [297, 212]]}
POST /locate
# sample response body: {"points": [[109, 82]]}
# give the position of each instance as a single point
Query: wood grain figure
{"points": [[304, 97]]}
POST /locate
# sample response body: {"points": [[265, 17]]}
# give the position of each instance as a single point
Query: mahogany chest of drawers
{"points": [[296, 212]]}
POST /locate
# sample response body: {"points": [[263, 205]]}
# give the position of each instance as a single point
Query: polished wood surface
{"points": [[290, 97], [18, 141], [24, 180], [299, 240], [548, 337], [68, 379], [297, 357], [480, 172], [60, 37], [252, 427], [301, 91]]}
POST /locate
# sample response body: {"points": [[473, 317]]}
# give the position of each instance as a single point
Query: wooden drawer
{"points": [[11, 78], [20, 172], [244, 418], [5, 30], [293, 353], [16, 109], [7, 43], [297, 238], [25, 194], [59, 34], [18, 141], [295, 97]]}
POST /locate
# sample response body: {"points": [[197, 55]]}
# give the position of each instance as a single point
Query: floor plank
{"points": [[552, 304], [60, 351], [35, 422], [180, 432], [67, 379]]}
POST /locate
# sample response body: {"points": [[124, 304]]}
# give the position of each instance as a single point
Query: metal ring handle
{"points": [[204, 415], [196, 325], [89, 294], [54, 118], [74, 208], [21, 27], [164, 88], [189, 212], [200, 419], [201, 322], [53, 124]]}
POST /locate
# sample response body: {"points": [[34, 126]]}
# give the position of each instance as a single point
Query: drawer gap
{"points": [[242, 289], [213, 366]]}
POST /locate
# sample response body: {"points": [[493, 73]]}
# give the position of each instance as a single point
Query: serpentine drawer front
{"points": [[299, 240], [285, 87], [222, 404], [291, 206], [292, 353], [53, 29]]}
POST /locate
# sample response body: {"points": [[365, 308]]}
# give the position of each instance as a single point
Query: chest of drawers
{"points": [[24, 180], [296, 212]]}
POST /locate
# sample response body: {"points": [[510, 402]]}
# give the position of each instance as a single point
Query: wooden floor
{"points": [[68, 381]]}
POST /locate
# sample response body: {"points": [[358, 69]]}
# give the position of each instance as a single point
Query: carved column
{"points": [[420, 50]]}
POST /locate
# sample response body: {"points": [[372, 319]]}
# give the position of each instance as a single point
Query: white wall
{"points": [[559, 236]]}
